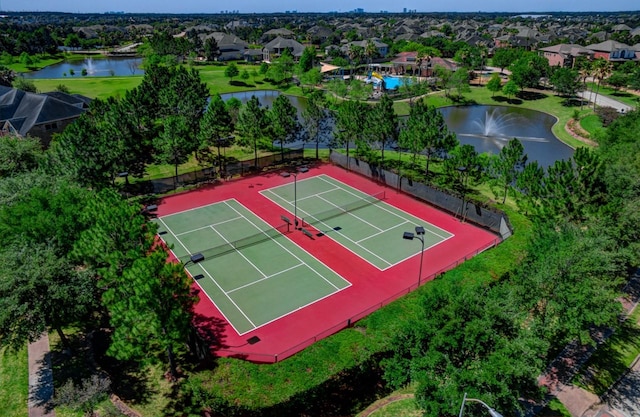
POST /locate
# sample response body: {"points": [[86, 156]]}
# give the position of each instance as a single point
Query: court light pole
{"points": [[419, 234], [295, 199], [491, 411]]}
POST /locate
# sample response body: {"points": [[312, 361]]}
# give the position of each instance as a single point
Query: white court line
{"points": [[299, 199], [383, 231], [226, 294], [192, 209], [230, 299], [208, 226], [287, 250], [336, 289], [347, 238], [391, 212], [407, 218], [267, 277], [174, 235], [215, 282], [350, 213], [240, 253]]}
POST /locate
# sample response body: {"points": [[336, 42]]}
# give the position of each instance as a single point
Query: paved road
{"points": [[40, 379], [624, 397], [605, 101]]}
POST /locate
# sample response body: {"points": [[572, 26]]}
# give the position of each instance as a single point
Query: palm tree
{"points": [[355, 53], [584, 72], [602, 70], [421, 57], [370, 51]]}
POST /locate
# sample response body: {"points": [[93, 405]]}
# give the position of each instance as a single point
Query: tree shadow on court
{"points": [[207, 338]]}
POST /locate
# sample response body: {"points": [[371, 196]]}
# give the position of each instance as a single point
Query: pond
{"points": [[490, 128], [486, 128], [99, 67], [266, 98]]}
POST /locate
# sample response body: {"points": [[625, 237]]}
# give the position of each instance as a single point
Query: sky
{"points": [[267, 6]]}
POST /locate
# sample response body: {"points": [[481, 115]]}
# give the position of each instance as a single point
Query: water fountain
{"points": [[490, 128], [89, 66], [494, 123]]}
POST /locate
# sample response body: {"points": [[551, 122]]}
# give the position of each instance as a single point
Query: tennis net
{"points": [[347, 208], [228, 247]]}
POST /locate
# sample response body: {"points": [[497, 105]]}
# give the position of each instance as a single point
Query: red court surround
{"points": [[370, 287]]}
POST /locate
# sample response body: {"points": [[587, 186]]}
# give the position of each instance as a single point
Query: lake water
{"points": [[266, 98], [98, 67], [490, 128], [486, 128]]}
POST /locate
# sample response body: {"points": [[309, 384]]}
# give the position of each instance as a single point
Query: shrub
{"points": [[607, 115]]}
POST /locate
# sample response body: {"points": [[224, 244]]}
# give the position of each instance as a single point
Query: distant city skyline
{"points": [[262, 6]]}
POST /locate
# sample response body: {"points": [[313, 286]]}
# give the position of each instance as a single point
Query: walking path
{"points": [[605, 101], [622, 399], [40, 379]]}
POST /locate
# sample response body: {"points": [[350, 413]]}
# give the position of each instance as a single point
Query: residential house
{"points": [[275, 33], [381, 47], [613, 51], [38, 115], [319, 34], [565, 55], [231, 47], [277, 46]]}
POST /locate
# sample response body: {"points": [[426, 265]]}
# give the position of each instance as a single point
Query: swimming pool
{"points": [[392, 83]]}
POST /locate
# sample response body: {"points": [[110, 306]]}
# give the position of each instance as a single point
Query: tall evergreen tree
{"points": [[284, 124], [150, 310], [383, 124], [252, 125], [216, 128], [508, 164], [314, 116], [174, 144]]}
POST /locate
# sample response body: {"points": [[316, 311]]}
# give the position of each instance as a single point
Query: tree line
{"points": [[77, 254]]}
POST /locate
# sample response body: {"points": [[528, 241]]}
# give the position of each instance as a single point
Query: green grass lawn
{"points": [[612, 359], [93, 87], [116, 86], [14, 383], [591, 124]]}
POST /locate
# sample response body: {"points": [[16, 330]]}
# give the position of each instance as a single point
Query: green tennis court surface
{"points": [[362, 223], [251, 272]]}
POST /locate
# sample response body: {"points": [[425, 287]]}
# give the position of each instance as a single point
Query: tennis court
{"points": [[251, 271], [362, 223]]}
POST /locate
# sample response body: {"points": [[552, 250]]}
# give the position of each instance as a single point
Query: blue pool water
{"points": [[392, 83]]}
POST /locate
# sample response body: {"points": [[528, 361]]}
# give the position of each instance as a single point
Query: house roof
{"points": [[282, 43], [445, 63], [73, 99], [608, 46], [25, 110], [278, 32], [225, 40], [620, 28], [567, 49]]}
